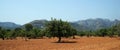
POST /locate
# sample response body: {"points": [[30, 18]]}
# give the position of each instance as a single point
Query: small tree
{"points": [[103, 32], [0, 28], [36, 33], [81, 33], [110, 32], [3, 34], [73, 32], [28, 28], [23, 33], [88, 33], [18, 31], [59, 28], [116, 29]]}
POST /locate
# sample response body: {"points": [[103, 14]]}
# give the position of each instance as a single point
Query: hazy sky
{"points": [[24, 11]]}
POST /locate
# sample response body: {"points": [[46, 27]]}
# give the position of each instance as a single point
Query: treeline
{"points": [[113, 31], [26, 33], [55, 28]]}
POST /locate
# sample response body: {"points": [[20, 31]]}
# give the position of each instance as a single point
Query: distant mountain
{"points": [[95, 24], [9, 25], [89, 24], [39, 23]]}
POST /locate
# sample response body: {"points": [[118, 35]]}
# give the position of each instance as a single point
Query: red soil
{"points": [[80, 43]]}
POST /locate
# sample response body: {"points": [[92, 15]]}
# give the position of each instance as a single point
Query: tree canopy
{"points": [[59, 28]]}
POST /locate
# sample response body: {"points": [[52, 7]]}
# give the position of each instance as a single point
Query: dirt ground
{"points": [[80, 43]]}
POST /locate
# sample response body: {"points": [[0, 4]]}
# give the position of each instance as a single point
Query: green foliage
{"points": [[59, 28], [86, 33], [35, 33], [0, 28], [7, 34], [103, 32], [81, 33], [116, 29], [45, 32], [28, 27], [110, 32], [13, 34], [23, 33], [3, 34], [17, 31], [73, 32], [56, 28]]}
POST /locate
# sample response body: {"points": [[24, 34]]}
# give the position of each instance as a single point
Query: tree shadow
{"points": [[65, 42]]}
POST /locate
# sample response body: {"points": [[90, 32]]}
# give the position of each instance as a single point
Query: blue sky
{"points": [[24, 11]]}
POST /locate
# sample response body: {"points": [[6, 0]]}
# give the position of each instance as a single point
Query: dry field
{"points": [[80, 43]]}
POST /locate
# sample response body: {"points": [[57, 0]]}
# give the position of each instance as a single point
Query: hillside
{"points": [[39, 23], [88, 24], [9, 25], [95, 24]]}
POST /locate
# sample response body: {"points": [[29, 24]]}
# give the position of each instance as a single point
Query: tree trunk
{"points": [[26, 39], [59, 39], [73, 36], [3, 38]]}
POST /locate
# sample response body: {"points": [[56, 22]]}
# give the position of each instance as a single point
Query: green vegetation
{"points": [[28, 28], [59, 28], [3, 33], [56, 28], [113, 31]]}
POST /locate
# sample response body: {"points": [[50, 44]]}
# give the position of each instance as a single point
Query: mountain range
{"points": [[88, 24], [9, 25], [94, 24]]}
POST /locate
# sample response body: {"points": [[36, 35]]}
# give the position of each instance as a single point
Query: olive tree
{"points": [[59, 28], [28, 28]]}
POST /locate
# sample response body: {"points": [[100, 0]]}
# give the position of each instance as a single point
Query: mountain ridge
{"points": [[80, 25], [9, 25]]}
